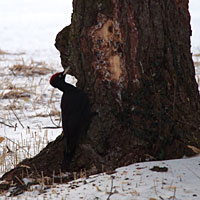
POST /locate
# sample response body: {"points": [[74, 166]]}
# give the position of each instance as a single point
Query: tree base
{"points": [[49, 161]]}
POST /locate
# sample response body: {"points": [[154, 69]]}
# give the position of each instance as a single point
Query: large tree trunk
{"points": [[133, 59]]}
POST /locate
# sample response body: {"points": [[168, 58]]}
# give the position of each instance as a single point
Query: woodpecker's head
{"points": [[57, 79]]}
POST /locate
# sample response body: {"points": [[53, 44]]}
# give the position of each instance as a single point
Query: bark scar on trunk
{"points": [[115, 68], [108, 50]]}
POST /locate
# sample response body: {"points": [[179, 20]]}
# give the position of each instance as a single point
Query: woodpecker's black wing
{"points": [[76, 116]]}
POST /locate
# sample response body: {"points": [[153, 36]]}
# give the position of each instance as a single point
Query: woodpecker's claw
{"points": [[66, 70]]}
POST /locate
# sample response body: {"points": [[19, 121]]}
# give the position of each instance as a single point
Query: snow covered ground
{"points": [[29, 109], [180, 180]]}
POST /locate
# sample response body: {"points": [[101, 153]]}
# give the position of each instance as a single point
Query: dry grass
{"points": [[3, 52], [23, 93], [53, 112], [12, 106], [196, 58], [14, 152], [29, 70], [197, 55], [15, 95], [197, 64]]}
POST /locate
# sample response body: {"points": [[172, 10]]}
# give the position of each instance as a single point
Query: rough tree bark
{"points": [[133, 59]]}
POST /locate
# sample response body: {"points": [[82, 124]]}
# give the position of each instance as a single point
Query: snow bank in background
{"points": [[31, 26]]}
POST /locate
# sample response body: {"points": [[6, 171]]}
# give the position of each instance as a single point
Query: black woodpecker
{"points": [[76, 114]]}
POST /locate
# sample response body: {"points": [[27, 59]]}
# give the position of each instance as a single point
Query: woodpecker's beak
{"points": [[66, 70]]}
